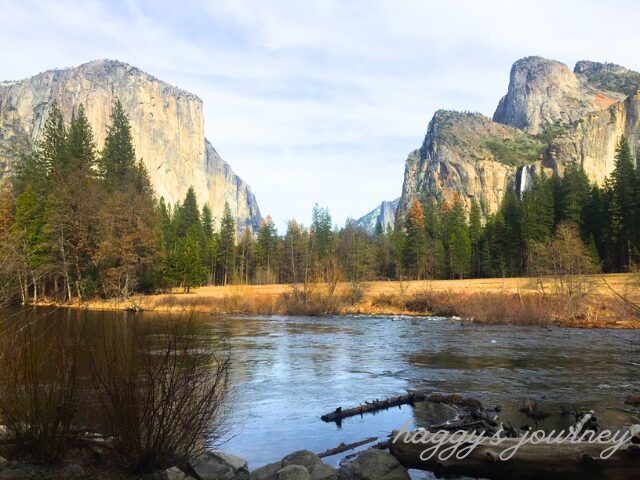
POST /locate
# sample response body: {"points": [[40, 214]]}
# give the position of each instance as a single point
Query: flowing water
{"points": [[288, 371]]}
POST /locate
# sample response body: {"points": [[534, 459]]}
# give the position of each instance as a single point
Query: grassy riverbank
{"points": [[494, 300]]}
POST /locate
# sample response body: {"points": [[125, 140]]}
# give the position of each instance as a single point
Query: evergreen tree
{"points": [[475, 234], [296, 256], [246, 256], [267, 251], [322, 241], [538, 210], [118, 159], [80, 144], [457, 240], [623, 204], [52, 150], [227, 245], [188, 215], [575, 190]]}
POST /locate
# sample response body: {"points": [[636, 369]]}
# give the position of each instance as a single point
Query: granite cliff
{"points": [[550, 116], [384, 214], [167, 125]]}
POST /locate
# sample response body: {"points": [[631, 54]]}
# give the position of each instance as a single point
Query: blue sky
{"points": [[320, 101]]}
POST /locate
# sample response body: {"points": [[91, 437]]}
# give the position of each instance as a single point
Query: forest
{"points": [[78, 223]]}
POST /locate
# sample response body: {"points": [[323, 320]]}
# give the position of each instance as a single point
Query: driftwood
{"points": [[561, 461], [369, 407], [343, 447]]}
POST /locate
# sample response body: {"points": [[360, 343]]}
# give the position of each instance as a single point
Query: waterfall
{"points": [[524, 176]]}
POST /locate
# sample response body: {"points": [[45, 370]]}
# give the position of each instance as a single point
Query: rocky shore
{"points": [[371, 464]]}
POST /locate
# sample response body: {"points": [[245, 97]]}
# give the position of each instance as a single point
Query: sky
{"points": [[320, 101]]}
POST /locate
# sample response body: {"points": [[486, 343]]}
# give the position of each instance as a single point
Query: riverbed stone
{"points": [[324, 472], [294, 472], [173, 473], [304, 458], [18, 473], [267, 472], [73, 470], [236, 462], [213, 466], [373, 464]]}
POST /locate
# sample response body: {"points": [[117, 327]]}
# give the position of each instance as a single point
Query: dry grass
{"points": [[492, 300]]}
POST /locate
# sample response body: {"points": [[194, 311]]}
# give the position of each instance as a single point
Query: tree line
{"points": [[76, 222]]}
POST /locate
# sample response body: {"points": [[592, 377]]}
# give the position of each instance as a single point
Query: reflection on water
{"points": [[290, 370]]}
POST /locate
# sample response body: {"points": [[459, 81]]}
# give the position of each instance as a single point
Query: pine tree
{"points": [[538, 210], [322, 241], [246, 256], [227, 245], [296, 256], [52, 150], [267, 251], [118, 158], [80, 143], [575, 189], [457, 240], [188, 215], [475, 234], [623, 204]]}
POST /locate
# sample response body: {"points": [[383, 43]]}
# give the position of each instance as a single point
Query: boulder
{"points": [[173, 473], [304, 458], [294, 472], [373, 464], [73, 471], [18, 473], [233, 460], [213, 466], [268, 472], [324, 472], [3, 463]]}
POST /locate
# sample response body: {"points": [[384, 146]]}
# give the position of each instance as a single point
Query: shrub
{"points": [[165, 397], [39, 384], [309, 301]]}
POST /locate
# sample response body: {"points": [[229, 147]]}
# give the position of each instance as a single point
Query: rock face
{"points": [[384, 214], [551, 116], [543, 92], [167, 126]]}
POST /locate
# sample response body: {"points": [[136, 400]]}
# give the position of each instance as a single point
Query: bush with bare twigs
{"points": [[165, 397], [39, 385]]}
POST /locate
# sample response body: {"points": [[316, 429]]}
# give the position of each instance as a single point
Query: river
{"points": [[288, 371]]}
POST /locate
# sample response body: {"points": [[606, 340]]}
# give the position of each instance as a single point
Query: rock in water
{"points": [[213, 466], [303, 465], [373, 464], [167, 126], [76, 471], [173, 473], [293, 472], [304, 458]]}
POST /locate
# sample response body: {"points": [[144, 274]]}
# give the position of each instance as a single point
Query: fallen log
{"points": [[369, 407], [559, 461], [343, 447]]}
